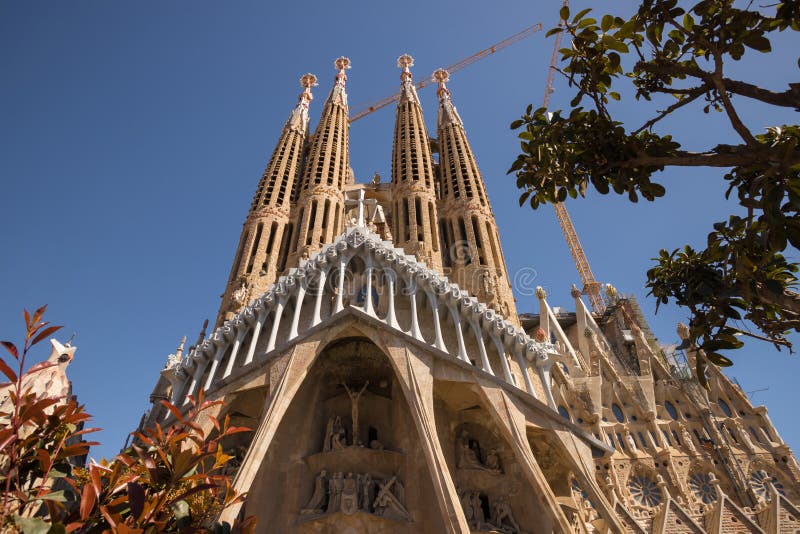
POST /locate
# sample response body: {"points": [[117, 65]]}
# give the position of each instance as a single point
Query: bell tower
{"points": [[471, 244], [413, 178], [320, 204], [263, 244]]}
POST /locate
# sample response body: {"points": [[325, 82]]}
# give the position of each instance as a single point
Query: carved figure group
{"points": [[482, 516], [468, 455], [335, 435], [355, 492]]}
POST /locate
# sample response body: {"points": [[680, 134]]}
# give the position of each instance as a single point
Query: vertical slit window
{"points": [[299, 230], [478, 241], [406, 221], [312, 218], [287, 237], [323, 233], [418, 215], [254, 248], [432, 222]]}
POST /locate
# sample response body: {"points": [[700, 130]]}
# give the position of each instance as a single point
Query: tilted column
{"points": [[320, 206], [471, 245], [263, 245], [413, 179]]}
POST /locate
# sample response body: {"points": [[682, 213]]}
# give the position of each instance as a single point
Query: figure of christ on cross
{"points": [[354, 409]]}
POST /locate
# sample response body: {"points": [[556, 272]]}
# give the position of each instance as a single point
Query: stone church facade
{"points": [[369, 337]]}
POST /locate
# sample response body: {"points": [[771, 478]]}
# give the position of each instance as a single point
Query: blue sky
{"points": [[132, 137]]}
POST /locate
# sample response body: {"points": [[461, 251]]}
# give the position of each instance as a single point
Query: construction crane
{"points": [[527, 32], [591, 287]]}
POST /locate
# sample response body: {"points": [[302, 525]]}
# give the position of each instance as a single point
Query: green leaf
{"points": [[580, 14], [607, 22], [719, 359], [564, 13], [758, 42], [554, 31]]}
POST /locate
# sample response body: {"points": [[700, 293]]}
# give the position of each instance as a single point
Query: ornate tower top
{"points": [[447, 111], [408, 93], [338, 94], [298, 120]]}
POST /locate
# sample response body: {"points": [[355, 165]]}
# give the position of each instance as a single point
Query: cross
{"points": [[361, 200]]}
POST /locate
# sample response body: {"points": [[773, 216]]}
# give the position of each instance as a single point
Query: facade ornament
{"points": [[541, 294], [575, 292], [240, 295], [686, 438], [354, 397], [316, 505], [334, 435], [387, 504]]}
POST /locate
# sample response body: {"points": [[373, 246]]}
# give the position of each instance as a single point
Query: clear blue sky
{"points": [[132, 137]]}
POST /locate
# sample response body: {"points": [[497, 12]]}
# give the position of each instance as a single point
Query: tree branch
{"points": [[692, 95], [736, 122], [681, 158], [789, 98]]}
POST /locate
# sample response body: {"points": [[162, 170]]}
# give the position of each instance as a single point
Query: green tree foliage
{"points": [[171, 480], [666, 51]]}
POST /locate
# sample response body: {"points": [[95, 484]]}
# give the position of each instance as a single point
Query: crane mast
{"points": [[591, 287]]}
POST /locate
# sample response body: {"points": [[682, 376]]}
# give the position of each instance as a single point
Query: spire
{"points": [[298, 120], [471, 243], [339, 93], [447, 111], [320, 202], [263, 245], [408, 93], [413, 178]]}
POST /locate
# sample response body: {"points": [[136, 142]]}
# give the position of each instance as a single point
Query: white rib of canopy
{"points": [[360, 271]]}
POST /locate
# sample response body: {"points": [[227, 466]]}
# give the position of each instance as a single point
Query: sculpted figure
{"points": [[349, 499], [466, 505], [338, 440], [467, 456], [387, 504], [366, 493], [240, 295], [316, 505], [354, 397], [686, 438], [744, 436], [335, 486], [630, 443], [503, 518], [493, 461], [477, 510]]}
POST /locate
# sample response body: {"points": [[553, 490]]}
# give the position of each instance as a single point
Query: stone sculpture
{"points": [[354, 397], [334, 435], [354, 493], [316, 505], [349, 499], [502, 517], [493, 461], [386, 504]]}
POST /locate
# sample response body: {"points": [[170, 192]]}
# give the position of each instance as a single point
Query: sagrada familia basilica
{"points": [[369, 336]]}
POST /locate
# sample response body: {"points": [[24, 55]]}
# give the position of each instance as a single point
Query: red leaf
{"points": [[37, 315], [95, 476], [136, 499], [10, 347], [7, 370], [88, 498], [174, 409], [44, 333], [27, 318]]}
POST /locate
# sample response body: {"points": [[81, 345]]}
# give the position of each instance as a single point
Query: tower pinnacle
{"points": [[298, 120], [338, 93], [408, 93], [447, 111]]}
